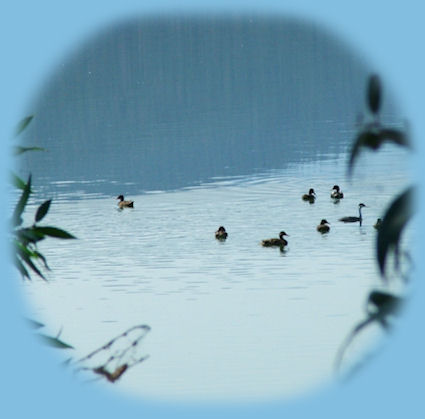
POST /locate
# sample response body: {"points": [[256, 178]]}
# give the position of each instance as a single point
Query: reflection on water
{"points": [[160, 104], [208, 122], [230, 320]]}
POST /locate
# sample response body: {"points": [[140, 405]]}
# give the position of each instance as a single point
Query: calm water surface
{"points": [[207, 122], [230, 320]]}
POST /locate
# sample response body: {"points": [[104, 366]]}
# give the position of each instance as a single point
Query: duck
{"points": [[323, 227], [124, 204], [310, 197], [221, 233], [378, 224], [281, 242], [336, 193], [354, 219]]}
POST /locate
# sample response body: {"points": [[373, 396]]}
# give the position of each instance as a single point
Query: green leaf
{"points": [[54, 342], [21, 268], [35, 254], [20, 206], [393, 224], [17, 182], [42, 210], [44, 260], [22, 248], [54, 232], [20, 150], [23, 124], [374, 94], [27, 260], [25, 255], [29, 235]]}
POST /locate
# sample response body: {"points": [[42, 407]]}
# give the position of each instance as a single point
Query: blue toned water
{"points": [[209, 122], [230, 320]]}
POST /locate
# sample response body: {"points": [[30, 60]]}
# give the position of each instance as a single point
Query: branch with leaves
{"points": [[373, 135], [26, 256], [382, 306], [114, 358], [24, 239]]}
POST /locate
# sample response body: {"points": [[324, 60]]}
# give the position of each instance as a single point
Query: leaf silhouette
{"points": [[373, 136], [54, 232], [23, 124], [42, 210], [20, 267], [358, 328], [395, 219], [29, 235], [20, 206], [384, 304], [25, 256], [20, 150], [374, 94], [54, 342], [394, 135], [17, 182], [34, 324], [42, 258]]}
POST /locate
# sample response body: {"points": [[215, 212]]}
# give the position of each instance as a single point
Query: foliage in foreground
{"points": [[116, 356], [119, 354], [26, 256], [54, 342], [382, 306]]}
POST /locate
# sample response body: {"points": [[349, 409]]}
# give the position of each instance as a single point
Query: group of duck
{"points": [[323, 228], [336, 195]]}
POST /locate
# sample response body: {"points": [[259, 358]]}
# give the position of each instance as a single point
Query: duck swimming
{"points": [[323, 227], [311, 196], [354, 219], [221, 233], [281, 242], [124, 204], [336, 193]]}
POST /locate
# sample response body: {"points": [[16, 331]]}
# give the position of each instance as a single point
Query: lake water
{"points": [[205, 123], [230, 320]]}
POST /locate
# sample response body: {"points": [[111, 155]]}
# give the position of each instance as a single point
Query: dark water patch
{"points": [[170, 102]]}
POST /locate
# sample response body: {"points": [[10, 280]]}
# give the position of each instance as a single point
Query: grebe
{"points": [[354, 219]]}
